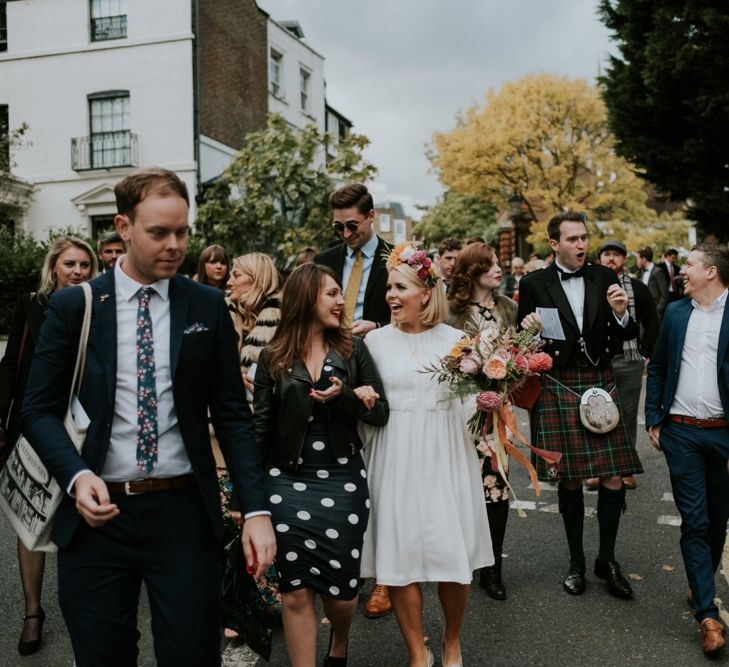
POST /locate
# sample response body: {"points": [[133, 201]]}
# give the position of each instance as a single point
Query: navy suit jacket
{"points": [[665, 364], [375, 306], [206, 376]]}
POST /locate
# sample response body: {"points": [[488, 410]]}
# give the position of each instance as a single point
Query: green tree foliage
{"points": [[458, 216], [21, 258], [668, 102], [273, 198]]}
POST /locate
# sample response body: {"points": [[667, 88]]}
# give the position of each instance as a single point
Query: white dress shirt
{"points": [[120, 464], [697, 392], [646, 275], [368, 256]]}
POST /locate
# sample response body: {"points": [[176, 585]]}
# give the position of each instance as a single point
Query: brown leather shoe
{"points": [[629, 482], [712, 636], [379, 603], [592, 484]]}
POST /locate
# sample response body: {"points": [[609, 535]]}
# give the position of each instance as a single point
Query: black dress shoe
{"points": [[617, 584], [29, 647], [574, 582]]}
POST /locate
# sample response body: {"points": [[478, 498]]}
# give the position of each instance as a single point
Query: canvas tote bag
{"points": [[29, 496]]}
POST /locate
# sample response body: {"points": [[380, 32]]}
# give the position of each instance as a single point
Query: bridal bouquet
{"points": [[494, 365]]}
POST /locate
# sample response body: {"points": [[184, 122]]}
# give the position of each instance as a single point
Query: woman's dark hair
{"points": [[300, 294], [474, 260], [213, 253]]}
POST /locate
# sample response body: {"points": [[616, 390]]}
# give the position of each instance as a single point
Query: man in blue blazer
{"points": [[686, 409], [143, 502]]}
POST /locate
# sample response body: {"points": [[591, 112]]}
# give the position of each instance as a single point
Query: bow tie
{"points": [[566, 276]]}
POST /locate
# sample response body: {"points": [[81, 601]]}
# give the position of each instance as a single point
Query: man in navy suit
{"points": [[686, 408], [143, 502]]}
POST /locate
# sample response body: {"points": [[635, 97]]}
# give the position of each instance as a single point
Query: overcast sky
{"points": [[403, 69]]}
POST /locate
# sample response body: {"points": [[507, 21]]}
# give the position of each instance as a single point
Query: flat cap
{"points": [[614, 245]]}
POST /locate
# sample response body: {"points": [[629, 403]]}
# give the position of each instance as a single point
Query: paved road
{"points": [[537, 625]]}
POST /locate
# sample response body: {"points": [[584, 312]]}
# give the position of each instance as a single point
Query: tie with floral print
{"points": [[146, 386]]}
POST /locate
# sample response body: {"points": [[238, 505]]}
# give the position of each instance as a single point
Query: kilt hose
{"points": [[556, 425]]}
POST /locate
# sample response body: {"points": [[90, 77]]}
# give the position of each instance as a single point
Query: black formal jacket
{"points": [[14, 369], [647, 317], [375, 306], [602, 334], [205, 376], [282, 406]]}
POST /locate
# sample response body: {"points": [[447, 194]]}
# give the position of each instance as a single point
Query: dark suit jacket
{"points": [[678, 282], [14, 369], [665, 365], [647, 317], [205, 372], [602, 334], [375, 306], [658, 287]]}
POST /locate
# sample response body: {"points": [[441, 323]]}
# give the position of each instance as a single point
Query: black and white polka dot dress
{"points": [[320, 512]]}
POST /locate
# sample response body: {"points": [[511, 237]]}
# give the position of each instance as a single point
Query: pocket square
{"points": [[196, 327]]}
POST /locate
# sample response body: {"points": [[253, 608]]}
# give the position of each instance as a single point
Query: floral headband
{"points": [[408, 253]]}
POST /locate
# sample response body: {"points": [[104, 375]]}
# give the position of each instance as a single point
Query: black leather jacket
{"points": [[282, 407]]}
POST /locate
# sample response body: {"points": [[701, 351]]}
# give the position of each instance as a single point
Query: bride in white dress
{"points": [[427, 520]]}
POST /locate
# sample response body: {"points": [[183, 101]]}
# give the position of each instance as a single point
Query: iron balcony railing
{"points": [[108, 27], [104, 150]]}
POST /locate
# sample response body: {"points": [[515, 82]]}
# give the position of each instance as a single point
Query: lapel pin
{"points": [[103, 297]]}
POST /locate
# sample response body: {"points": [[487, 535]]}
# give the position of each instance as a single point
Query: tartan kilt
{"points": [[556, 426]]}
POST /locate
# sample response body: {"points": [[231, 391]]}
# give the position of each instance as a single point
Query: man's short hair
{"points": [[557, 220], [715, 255], [475, 239], [108, 237], [134, 188], [352, 195], [646, 253], [449, 245], [672, 252]]}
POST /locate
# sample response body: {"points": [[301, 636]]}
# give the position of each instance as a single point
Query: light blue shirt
{"points": [[368, 251]]}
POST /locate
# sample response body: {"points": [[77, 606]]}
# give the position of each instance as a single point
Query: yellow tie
{"points": [[352, 291]]}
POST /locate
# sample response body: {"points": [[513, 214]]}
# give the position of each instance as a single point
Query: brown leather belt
{"points": [[139, 486], [716, 422]]}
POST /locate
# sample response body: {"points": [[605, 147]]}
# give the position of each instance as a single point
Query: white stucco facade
{"points": [[51, 72], [295, 56]]}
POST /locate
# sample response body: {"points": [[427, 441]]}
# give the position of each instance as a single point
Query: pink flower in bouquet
{"points": [[488, 400], [495, 368], [540, 362], [521, 362], [505, 355], [469, 364]]}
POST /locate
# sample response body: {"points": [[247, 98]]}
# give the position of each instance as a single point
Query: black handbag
{"points": [[242, 607]]}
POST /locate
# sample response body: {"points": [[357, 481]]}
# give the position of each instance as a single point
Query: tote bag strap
{"points": [[83, 341]]}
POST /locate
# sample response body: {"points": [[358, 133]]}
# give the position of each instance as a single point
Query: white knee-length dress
{"points": [[427, 519]]}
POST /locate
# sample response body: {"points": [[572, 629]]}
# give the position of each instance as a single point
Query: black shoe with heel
{"points": [[329, 661], [31, 646], [490, 581]]}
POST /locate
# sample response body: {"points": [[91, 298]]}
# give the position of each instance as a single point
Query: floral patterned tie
{"points": [[146, 386]]}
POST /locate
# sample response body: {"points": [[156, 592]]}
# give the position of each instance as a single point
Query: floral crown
{"points": [[408, 253]]}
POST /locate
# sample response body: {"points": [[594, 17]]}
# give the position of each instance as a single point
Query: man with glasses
{"points": [[359, 259]]}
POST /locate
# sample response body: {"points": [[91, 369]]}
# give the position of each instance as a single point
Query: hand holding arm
{"points": [[362, 327]]}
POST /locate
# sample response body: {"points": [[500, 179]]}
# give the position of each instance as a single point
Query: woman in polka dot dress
{"points": [[313, 383]]}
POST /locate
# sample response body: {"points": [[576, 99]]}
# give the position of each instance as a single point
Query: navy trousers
{"points": [[697, 461], [164, 540]]}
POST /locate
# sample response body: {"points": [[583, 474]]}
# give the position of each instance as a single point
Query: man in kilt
{"points": [[592, 311]]}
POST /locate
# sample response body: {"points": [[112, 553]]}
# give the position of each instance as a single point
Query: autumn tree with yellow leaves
{"points": [[545, 139]]}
